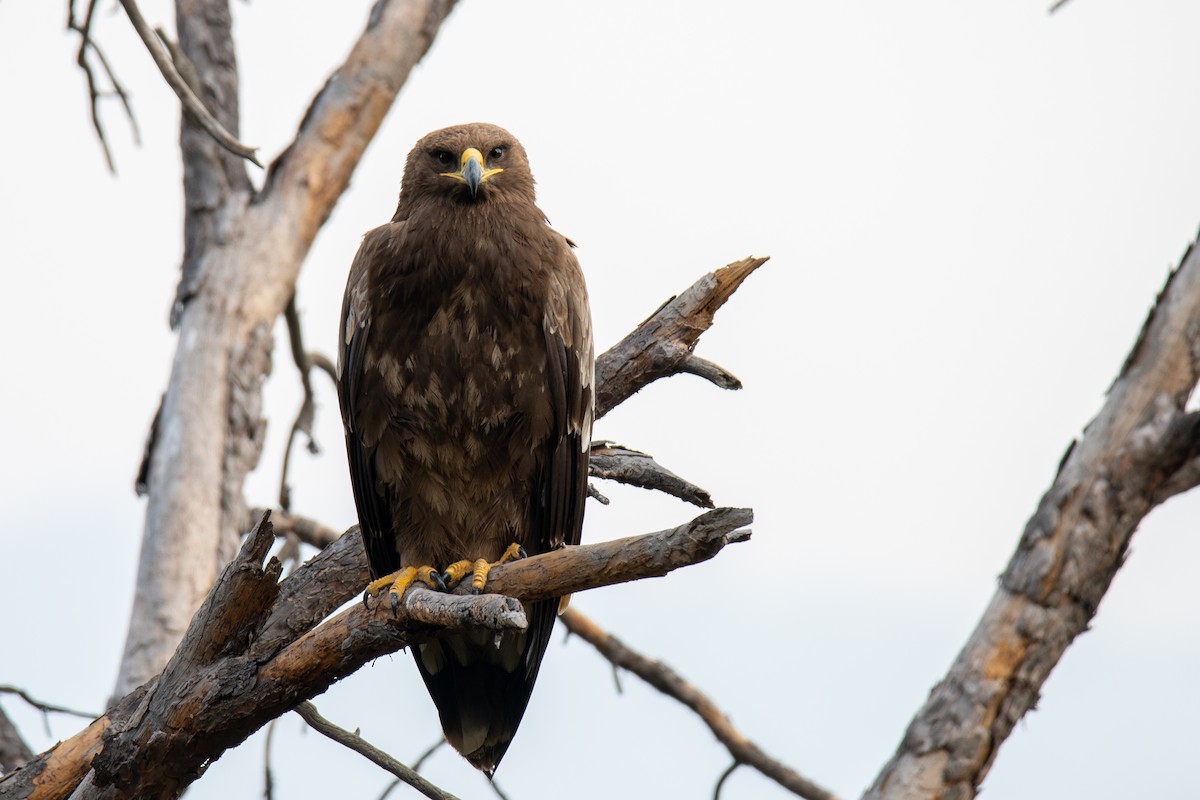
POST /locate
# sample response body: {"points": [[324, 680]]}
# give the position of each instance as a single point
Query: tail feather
{"points": [[480, 689]]}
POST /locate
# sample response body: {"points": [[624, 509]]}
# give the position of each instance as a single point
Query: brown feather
{"points": [[465, 380]]}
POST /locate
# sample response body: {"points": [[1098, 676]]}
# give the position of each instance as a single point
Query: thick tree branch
{"points": [[255, 650], [1140, 449], [663, 344], [672, 684], [360, 745]]}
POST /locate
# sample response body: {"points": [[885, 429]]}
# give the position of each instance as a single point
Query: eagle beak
{"points": [[471, 171]]}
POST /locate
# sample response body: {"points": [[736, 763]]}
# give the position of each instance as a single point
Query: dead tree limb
{"points": [[88, 46], [361, 746], [672, 684], [663, 344], [1141, 449], [257, 648], [614, 462]]}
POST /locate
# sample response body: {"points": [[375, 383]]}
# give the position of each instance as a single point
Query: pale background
{"points": [[969, 208]]}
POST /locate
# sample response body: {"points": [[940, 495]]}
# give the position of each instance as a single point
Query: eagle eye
{"points": [[497, 153], [443, 157]]}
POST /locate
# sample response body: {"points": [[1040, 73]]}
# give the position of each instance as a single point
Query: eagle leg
{"points": [[398, 582]]}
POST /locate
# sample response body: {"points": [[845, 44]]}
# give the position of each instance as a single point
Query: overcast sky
{"points": [[969, 208]]}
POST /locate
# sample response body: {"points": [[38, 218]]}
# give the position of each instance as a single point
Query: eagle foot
{"points": [[479, 568], [398, 582]]}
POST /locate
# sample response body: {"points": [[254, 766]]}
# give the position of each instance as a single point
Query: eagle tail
{"points": [[481, 682]]}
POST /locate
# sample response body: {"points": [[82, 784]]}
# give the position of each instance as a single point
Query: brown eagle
{"points": [[465, 376]]}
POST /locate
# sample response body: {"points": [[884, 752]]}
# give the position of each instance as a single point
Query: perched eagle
{"points": [[465, 376]]}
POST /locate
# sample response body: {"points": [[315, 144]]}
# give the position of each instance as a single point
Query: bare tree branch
{"points": [[42, 705], [416, 767], [87, 45], [1141, 449], [616, 462], [663, 344], [305, 362], [190, 101], [255, 650], [724, 777], [670, 683], [360, 745]]}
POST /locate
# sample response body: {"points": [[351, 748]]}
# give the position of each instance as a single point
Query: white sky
{"points": [[969, 209]]}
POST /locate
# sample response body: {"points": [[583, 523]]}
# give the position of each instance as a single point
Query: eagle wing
{"points": [[360, 407]]}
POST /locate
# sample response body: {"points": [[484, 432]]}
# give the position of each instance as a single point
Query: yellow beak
{"points": [[471, 171]]}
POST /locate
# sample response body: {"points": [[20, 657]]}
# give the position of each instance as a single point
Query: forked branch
{"points": [[255, 649]]}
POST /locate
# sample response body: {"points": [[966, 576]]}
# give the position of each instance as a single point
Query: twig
{"points": [[189, 99], [1057, 5], [268, 778], [360, 745], [324, 363], [416, 767], [304, 418], [670, 683], [724, 776], [44, 706], [496, 788], [594, 493], [88, 45], [433, 748]]}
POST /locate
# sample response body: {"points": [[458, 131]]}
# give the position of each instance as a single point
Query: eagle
{"points": [[465, 380]]}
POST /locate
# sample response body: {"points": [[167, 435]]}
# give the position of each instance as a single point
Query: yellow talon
{"points": [[456, 572], [398, 582], [481, 567], [479, 578], [513, 553]]}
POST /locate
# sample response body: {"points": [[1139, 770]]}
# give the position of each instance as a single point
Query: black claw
{"points": [[444, 577], [395, 603], [474, 590], [521, 552], [436, 577], [366, 597]]}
